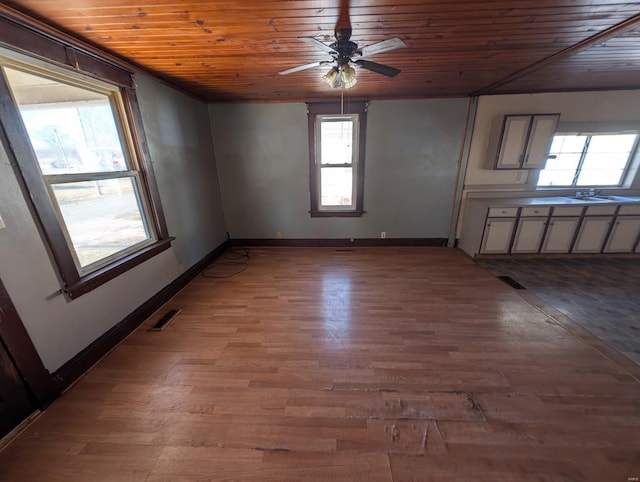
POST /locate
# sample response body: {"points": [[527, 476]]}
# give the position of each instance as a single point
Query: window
{"points": [[336, 154], [577, 160], [73, 140]]}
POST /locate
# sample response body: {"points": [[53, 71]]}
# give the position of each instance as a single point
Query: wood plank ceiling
{"points": [[231, 50]]}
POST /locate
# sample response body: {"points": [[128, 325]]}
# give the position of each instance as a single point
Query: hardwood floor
{"points": [[601, 294], [373, 364]]}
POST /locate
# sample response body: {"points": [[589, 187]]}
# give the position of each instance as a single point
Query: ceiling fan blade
{"points": [[379, 68], [384, 46], [304, 67], [317, 43]]}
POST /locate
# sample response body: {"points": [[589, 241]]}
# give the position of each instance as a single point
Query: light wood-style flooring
{"points": [[376, 364]]}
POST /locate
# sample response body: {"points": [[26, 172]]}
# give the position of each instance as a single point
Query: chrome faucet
{"points": [[589, 193]]}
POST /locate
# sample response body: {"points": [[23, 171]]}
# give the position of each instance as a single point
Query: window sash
{"points": [[326, 167], [324, 174], [52, 181]]}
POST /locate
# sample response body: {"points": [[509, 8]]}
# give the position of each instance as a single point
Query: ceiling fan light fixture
{"points": [[332, 77], [348, 76]]}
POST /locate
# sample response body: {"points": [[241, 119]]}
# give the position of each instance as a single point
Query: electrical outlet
{"points": [[278, 235], [383, 234]]}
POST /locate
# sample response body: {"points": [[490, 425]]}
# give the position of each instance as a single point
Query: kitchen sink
{"points": [[589, 198], [616, 198]]}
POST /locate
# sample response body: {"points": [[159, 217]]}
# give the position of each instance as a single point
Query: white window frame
{"points": [[628, 171], [322, 168]]}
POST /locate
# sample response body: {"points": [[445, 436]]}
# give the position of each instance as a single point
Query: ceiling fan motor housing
{"points": [[343, 45], [345, 49]]}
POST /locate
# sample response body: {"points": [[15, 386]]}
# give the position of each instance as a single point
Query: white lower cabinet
{"points": [[529, 235], [624, 235], [504, 226], [497, 235], [592, 235], [560, 234]]}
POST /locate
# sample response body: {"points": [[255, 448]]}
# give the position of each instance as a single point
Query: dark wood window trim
{"points": [[314, 109], [22, 37], [16, 141]]}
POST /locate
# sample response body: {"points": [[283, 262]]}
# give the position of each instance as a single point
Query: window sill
{"points": [[97, 278], [336, 214]]}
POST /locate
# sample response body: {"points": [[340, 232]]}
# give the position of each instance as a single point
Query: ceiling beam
{"points": [[582, 45]]}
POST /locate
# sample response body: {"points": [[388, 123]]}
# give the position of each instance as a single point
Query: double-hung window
{"points": [[336, 154], [76, 148], [589, 160]]}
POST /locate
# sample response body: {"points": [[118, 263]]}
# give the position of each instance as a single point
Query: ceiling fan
{"points": [[345, 53]]}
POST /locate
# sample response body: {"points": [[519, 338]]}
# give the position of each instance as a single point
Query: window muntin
{"points": [[338, 156], [579, 160]]}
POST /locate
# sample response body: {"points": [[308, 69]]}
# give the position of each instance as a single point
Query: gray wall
{"points": [[180, 141], [411, 153], [179, 136]]}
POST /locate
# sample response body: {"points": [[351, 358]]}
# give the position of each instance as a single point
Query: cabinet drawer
{"points": [[503, 212], [629, 209], [535, 211], [601, 210], [567, 210]]}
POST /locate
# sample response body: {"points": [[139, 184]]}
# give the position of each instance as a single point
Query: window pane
{"points": [[336, 142], [612, 143], [568, 162], [602, 177], [561, 170], [605, 160], [336, 186], [72, 129], [566, 144], [556, 177], [102, 217]]}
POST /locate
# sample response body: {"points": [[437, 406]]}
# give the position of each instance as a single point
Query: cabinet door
{"points": [[497, 235], [513, 141], [592, 234], [624, 234], [560, 235], [529, 235], [543, 128]]}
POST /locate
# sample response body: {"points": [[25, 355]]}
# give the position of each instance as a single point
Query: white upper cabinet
{"points": [[525, 141], [513, 142]]}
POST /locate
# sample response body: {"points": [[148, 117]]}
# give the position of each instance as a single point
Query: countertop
{"points": [[555, 201]]}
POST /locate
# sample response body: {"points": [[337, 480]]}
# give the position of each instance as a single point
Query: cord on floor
{"points": [[236, 257]]}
